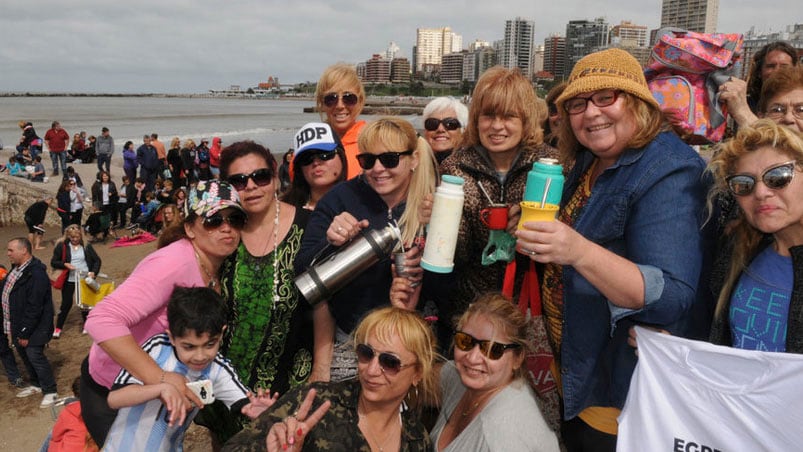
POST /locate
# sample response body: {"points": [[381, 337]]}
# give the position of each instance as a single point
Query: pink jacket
{"points": [[139, 306]]}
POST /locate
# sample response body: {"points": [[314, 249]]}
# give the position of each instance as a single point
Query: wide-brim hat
{"points": [[607, 69]]}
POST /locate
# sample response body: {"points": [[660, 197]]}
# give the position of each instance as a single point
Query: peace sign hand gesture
{"points": [[289, 434]]}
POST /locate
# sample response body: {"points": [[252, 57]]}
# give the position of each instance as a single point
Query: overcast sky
{"points": [[183, 46]]}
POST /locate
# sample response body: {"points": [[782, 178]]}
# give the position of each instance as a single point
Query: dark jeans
{"points": [[67, 292], [9, 363], [121, 213], [33, 356], [57, 157], [581, 437], [105, 162], [149, 176], [111, 211], [95, 410]]}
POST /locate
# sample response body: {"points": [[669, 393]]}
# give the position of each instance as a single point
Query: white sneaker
{"points": [[48, 400], [29, 391]]}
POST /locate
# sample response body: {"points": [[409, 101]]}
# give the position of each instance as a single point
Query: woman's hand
{"points": [[289, 434], [733, 93], [513, 216], [344, 227], [550, 242], [404, 294], [425, 209], [188, 399], [174, 403], [259, 402]]}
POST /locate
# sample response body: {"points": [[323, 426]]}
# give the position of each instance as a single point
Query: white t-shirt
{"points": [[694, 396]]}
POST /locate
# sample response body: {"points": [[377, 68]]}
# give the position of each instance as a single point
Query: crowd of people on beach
{"points": [[648, 233]]}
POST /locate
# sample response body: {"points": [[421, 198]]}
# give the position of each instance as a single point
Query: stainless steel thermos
{"points": [[326, 277]]}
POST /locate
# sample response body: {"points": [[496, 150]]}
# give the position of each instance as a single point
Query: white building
{"points": [[517, 47], [431, 44], [693, 15]]}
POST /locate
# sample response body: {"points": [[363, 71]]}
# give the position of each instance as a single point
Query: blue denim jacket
{"points": [[647, 207]]}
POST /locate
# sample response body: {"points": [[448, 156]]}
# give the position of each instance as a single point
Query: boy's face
{"points": [[196, 352]]}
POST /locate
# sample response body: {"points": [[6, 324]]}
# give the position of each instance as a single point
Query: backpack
{"points": [[684, 72]]}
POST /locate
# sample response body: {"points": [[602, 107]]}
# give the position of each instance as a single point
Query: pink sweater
{"points": [[139, 306]]}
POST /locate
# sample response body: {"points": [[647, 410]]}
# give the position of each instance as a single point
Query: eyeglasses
{"points": [[390, 364], [261, 177], [388, 159], [308, 157], [577, 105], [775, 178], [777, 111], [235, 219], [432, 124], [493, 350], [349, 99]]}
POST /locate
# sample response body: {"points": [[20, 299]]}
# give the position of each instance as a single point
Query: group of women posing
{"points": [[629, 248]]}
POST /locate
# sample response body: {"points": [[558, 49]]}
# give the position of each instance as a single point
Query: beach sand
{"points": [[23, 425]]}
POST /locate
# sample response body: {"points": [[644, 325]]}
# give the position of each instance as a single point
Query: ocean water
{"points": [[270, 122]]}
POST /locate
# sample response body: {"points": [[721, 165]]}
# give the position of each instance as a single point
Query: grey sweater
{"points": [[104, 145]]}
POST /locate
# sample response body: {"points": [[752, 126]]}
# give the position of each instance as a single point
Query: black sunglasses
{"points": [[432, 124], [390, 364], [235, 219], [261, 177], [775, 178], [308, 157], [493, 350], [349, 99], [387, 159]]}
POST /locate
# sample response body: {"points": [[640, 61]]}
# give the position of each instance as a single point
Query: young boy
{"points": [[196, 317], [38, 174]]}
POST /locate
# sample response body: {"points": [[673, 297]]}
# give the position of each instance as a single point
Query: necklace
{"points": [[470, 409], [276, 254], [212, 279], [372, 437]]}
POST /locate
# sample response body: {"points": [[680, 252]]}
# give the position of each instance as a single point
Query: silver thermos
{"points": [[326, 277]]}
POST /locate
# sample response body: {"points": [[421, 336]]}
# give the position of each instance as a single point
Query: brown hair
{"points": [[240, 149], [782, 81], [505, 92], [754, 81]]}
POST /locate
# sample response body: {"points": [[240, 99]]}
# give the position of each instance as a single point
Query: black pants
{"points": [[67, 292], [581, 437], [95, 410]]}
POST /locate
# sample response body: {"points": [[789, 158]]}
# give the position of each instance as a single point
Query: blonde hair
{"points": [[189, 143], [415, 335], [505, 92], [397, 134], [339, 73], [69, 230], [746, 238], [507, 320], [175, 142]]}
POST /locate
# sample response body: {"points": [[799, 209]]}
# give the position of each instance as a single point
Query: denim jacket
{"points": [[647, 207]]}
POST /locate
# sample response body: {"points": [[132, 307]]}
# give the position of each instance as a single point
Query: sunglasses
{"points": [[308, 157], [577, 105], [349, 99], [388, 159], [261, 177], [432, 124], [775, 178], [493, 350], [390, 364], [235, 219]]}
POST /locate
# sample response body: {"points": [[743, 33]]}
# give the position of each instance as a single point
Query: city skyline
{"points": [[190, 47]]}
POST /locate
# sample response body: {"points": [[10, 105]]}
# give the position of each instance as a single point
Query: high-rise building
{"points": [[555, 56], [517, 49], [693, 15], [452, 67], [629, 34], [584, 37], [430, 46], [400, 70], [377, 70], [538, 58]]}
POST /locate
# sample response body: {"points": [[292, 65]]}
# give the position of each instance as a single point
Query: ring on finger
{"points": [[339, 230], [532, 252]]}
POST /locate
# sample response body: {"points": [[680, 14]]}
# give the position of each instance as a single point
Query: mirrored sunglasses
{"points": [[261, 177], [390, 364], [388, 159], [235, 219], [492, 350], [775, 178], [349, 99], [432, 124]]}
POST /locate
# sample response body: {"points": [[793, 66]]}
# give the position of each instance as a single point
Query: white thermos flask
{"points": [[447, 211]]}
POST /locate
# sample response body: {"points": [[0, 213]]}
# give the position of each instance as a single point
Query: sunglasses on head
{"points": [[390, 364], [235, 219], [432, 124], [775, 178], [261, 177], [492, 350], [349, 99], [308, 157], [387, 159]]}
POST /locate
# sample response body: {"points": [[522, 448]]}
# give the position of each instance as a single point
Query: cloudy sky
{"points": [[183, 46]]}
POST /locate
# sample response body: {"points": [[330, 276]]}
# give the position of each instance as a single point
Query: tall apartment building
{"points": [[538, 59], [555, 56], [431, 44], [517, 49], [584, 37], [629, 34], [452, 67], [694, 15], [377, 69], [400, 70]]}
